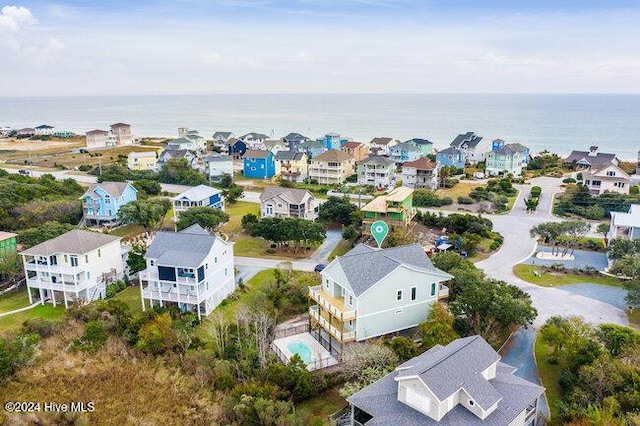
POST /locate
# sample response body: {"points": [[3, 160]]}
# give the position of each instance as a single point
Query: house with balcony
{"points": [[76, 266], [292, 165], [333, 141], [404, 151], [276, 201], [97, 138], [505, 159], [381, 145], [420, 174], [395, 208], [293, 140], [312, 148], [216, 165], [191, 269], [198, 196], [451, 157], [274, 146], [8, 243], [424, 145], [331, 167], [253, 140], [371, 292], [259, 164], [469, 144], [190, 144], [625, 225], [607, 178], [377, 171], [101, 202], [171, 154], [122, 134], [357, 150], [462, 383], [236, 148], [143, 160], [583, 160]]}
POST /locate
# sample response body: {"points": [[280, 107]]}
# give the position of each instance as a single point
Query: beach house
{"points": [[217, 165], [253, 140], [625, 225], [292, 165], [122, 134], [583, 160], [101, 202], [198, 196], [191, 269], [26, 132], [293, 140], [276, 201], [195, 144], [469, 143], [143, 160], [8, 243], [404, 151], [44, 130], [381, 145], [313, 148], [236, 148], [424, 145], [77, 265], [221, 140], [395, 208], [606, 178], [370, 292], [451, 157], [420, 174], [259, 164], [331, 167], [332, 141], [376, 170], [505, 159], [97, 138], [357, 150], [462, 383], [176, 154]]}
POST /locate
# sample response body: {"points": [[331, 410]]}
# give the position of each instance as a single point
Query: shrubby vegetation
{"points": [[146, 213], [497, 192], [626, 257], [207, 217], [339, 210], [285, 230], [427, 198], [578, 200], [561, 235], [457, 223], [39, 234]]}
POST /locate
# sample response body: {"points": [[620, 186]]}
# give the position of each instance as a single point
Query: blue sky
{"points": [[319, 46]]}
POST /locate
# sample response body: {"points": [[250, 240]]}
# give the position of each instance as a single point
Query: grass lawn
{"points": [[322, 406], [549, 374], [511, 202], [634, 318], [235, 212], [167, 222], [342, 247], [127, 231], [482, 251], [461, 189], [13, 322], [131, 296], [248, 246], [14, 299], [525, 272]]}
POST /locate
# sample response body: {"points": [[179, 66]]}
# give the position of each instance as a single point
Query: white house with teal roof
{"points": [[371, 292]]}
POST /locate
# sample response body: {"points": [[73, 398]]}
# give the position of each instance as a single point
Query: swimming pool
{"points": [[302, 350]]}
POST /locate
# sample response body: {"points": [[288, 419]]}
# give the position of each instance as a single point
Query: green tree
{"points": [[147, 187], [438, 329], [207, 217], [226, 180], [620, 247], [135, 260], [157, 336], [233, 193], [34, 236], [616, 338], [628, 266], [337, 210], [404, 347], [178, 171], [6, 369], [146, 213], [633, 293], [603, 229]]}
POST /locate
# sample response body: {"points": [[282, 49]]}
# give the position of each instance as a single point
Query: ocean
{"points": [[559, 123]]}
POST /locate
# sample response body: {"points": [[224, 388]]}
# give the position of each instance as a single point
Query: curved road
{"points": [[518, 245]]}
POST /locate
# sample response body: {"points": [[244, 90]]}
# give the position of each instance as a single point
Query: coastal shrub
{"points": [[536, 191], [115, 288], [634, 190], [85, 167], [465, 200], [569, 180], [40, 326], [450, 183], [447, 201]]}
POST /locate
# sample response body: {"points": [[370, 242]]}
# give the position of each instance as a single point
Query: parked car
{"points": [[319, 267], [24, 172]]}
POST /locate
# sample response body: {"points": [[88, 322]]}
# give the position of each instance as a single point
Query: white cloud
{"points": [[14, 18]]}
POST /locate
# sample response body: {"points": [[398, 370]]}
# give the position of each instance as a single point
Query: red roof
{"points": [[352, 145], [422, 163]]}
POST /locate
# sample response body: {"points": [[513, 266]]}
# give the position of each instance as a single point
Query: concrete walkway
{"points": [[15, 311]]}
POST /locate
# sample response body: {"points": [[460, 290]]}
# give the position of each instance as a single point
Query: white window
{"points": [[399, 295]]}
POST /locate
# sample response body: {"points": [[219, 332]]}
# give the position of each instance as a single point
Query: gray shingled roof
{"points": [[294, 137], [404, 145], [216, 158], [195, 229], [293, 195], [365, 266], [75, 241], [509, 149], [254, 136], [377, 159], [418, 141], [450, 150], [289, 155], [181, 249], [596, 161], [381, 398], [175, 153], [114, 189], [224, 135], [470, 138]]}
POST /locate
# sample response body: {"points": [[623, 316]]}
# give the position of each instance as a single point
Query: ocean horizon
{"points": [[555, 122]]}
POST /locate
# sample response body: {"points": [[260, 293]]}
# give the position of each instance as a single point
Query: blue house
{"points": [[332, 141], [404, 152], [312, 148], [499, 143], [451, 157], [237, 148], [102, 201], [259, 164], [198, 196]]}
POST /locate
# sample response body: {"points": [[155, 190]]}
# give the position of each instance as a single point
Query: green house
{"points": [[8, 242], [395, 208]]}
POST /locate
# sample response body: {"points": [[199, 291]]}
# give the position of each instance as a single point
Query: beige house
{"points": [[287, 202], [292, 165], [97, 138], [122, 134], [357, 150], [607, 178], [331, 167], [142, 160]]}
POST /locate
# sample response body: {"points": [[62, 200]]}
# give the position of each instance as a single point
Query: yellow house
{"points": [[142, 160], [331, 167], [291, 165]]}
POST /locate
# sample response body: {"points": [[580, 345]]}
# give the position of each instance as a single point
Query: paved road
{"points": [[519, 245]]}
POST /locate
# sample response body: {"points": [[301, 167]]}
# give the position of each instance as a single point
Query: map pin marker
{"points": [[379, 230]]}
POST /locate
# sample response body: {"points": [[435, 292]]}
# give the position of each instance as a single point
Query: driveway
{"points": [[322, 253]]}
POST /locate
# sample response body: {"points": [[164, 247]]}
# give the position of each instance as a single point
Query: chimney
{"points": [[593, 151], [182, 131]]}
